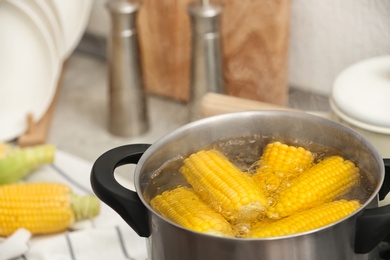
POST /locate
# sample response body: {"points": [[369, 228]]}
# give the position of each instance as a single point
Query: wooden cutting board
{"points": [[213, 104], [254, 39]]}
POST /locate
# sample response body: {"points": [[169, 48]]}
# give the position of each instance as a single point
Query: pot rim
{"points": [[187, 127]]}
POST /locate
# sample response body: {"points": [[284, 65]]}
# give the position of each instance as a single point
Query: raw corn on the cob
{"points": [[310, 219], [183, 206], [279, 164], [324, 182], [42, 208], [16, 162], [223, 186]]}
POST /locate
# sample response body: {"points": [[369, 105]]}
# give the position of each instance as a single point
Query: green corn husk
{"points": [[84, 206], [16, 163]]}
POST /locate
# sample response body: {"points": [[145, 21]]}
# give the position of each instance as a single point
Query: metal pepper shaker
{"points": [[127, 100], [206, 57]]}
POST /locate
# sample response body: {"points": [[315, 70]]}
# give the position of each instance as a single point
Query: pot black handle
{"points": [[385, 189], [125, 202], [373, 226]]}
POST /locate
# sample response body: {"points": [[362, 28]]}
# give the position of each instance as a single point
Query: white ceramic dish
{"points": [[360, 94], [45, 10], [74, 16], [357, 123], [29, 67]]}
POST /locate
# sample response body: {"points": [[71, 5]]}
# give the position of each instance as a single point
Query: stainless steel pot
{"points": [[354, 237]]}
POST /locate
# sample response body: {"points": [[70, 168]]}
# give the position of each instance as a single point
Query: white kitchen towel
{"points": [[119, 243], [105, 237]]}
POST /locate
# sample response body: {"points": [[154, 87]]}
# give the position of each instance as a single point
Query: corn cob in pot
{"points": [[183, 206], [324, 182], [224, 187], [310, 219], [16, 162], [304, 196], [42, 208], [279, 164]]}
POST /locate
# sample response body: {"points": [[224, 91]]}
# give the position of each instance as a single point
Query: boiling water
{"points": [[244, 152]]}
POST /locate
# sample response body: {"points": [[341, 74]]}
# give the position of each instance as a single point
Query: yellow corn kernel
{"points": [[324, 182], [310, 219], [242, 230], [279, 164], [224, 186], [42, 208], [184, 207]]}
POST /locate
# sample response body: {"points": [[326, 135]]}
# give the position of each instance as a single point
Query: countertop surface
{"points": [[103, 237], [80, 120], [80, 123]]}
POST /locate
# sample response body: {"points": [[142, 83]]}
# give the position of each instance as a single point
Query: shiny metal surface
{"points": [[127, 103], [168, 241], [206, 57]]}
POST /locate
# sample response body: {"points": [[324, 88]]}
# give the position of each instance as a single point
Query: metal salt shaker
{"points": [[127, 100], [206, 57]]}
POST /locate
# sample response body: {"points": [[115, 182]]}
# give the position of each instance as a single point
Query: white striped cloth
{"points": [[104, 237]]}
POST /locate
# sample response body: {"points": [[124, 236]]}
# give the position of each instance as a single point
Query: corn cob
{"points": [[279, 164], [16, 163], [42, 208], [184, 207], [310, 219], [224, 186], [324, 182]]}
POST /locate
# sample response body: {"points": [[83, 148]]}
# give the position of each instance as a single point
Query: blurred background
{"points": [[278, 53], [324, 37]]}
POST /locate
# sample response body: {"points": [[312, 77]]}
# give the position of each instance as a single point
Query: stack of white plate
{"points": [[36, 37], [361, 95]]}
